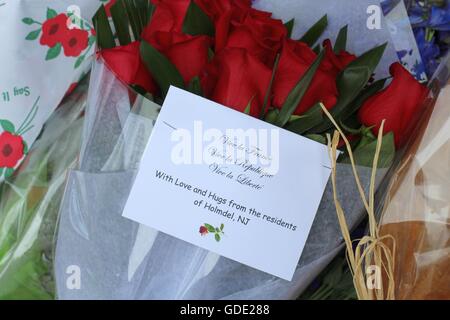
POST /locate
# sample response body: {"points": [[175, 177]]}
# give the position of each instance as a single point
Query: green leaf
{"points": [[91, 40], [133, 16], [51, 13], [297, 93], [121, 23], [210, 228], [314, 33], [25, 148], [272, 116], [1, 171], [311, 118], [105, 37], [295, 117], [317, 49], [79, 61], [9, 172], [162, 70], [28, 20], [351, 130], [249, 106], [195, 86], [221, 227], [351, 81], [289, 27], [269, 89], [150, 12], [367, 137], [7, 126], [317, 137], [196, 22], [341, 40], [143, 10], [362, 97], [52, 53], [217, 237], [33, 35], [364, 155]]}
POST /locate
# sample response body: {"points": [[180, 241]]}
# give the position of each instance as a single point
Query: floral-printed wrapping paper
{"points": [[46, 48]]}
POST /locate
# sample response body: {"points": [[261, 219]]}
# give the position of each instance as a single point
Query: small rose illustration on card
{"points": [[209, 229]]}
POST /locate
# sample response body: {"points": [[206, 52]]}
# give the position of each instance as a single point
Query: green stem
{"points": [[29, 118], [26, 130], [87, 50], [28, 121]]}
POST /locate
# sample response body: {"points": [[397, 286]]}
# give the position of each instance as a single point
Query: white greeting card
{"points": [[229, 183]]}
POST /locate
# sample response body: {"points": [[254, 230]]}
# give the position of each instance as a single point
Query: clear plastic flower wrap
{"points": [[29, 204], [101, 255], [416, 211]]}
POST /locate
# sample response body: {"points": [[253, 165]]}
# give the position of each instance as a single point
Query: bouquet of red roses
{"points": [[243, 58]]}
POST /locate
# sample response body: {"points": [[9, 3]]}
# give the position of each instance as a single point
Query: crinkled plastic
{"points": [[101, 255], [29, 204], [417, 208]]}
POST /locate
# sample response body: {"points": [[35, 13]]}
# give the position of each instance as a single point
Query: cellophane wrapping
{"points": [[417, 207], [29, 204], [116, 258]]}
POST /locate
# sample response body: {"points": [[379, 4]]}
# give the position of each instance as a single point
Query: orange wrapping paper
{"points": [[416, 212]]}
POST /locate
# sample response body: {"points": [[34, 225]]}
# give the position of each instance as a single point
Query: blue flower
{"points": [[429, 51], [440, 18], [417, 15]]}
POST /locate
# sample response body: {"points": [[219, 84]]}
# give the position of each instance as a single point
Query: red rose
{"points": [[216, 9], [259, 34], [11, 149], [335, 63], [234, 78], [54, 30], [188, 53], [125, 62], [295, 60], [399, 104], [168, 16], [203, 231], [75, 42], [222, 13]]}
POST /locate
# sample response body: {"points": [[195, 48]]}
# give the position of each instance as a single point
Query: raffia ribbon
{"points": [[372, 249]]}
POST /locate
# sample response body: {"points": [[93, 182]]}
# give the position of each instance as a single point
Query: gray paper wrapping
{"points": [[121, 259]]}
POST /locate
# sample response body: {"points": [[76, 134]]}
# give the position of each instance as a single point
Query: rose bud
{"points": [[203, 231], [399, 104]]}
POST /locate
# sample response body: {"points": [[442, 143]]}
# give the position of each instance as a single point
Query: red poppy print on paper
{"points": [[62, 33], [11, 149], [12, 145]]}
